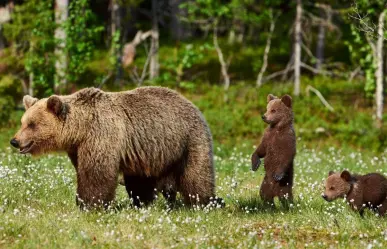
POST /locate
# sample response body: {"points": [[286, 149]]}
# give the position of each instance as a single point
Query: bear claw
{"points": [[256, 162], [278, 177]]}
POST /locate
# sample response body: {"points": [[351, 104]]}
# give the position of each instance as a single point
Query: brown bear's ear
{"points": [[29, 101], [56, 106], [270, 97], [287, 100], [346, 175], [331, 173]]}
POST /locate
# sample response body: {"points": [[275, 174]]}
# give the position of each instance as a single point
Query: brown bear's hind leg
{"points": [[167, 186], [286, 196], [266, 191], [197, 179], [140, 189], [169, 195]]}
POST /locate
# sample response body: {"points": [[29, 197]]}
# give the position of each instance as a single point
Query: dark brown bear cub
{"points": [[360, 191], [278, 147]]}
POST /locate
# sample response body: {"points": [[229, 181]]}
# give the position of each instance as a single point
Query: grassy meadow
{"points": [[37, 195]]}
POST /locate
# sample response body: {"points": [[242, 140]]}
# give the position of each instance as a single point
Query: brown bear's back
{"points": [[156, 126], [374, 188]]}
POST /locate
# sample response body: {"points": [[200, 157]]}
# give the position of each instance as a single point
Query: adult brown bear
{"points": [[156, 137]]}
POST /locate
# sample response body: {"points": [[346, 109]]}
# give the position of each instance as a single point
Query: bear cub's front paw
{"points": [[255, 162], [279, 177]]}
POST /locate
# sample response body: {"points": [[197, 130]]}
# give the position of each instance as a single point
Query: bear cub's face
{"points": [[277, 109], [337, 185], [40, 125]]}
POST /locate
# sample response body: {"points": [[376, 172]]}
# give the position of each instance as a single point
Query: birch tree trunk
{"points": [[61, 13], [5, 16], [379, 70], [267, 50], [297, 49], [31, 84], [223, 64], [320, 43], [154, 59]]}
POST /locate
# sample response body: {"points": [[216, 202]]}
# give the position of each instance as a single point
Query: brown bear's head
{"points": [[337, 185], [40, 125], [279, 111]]}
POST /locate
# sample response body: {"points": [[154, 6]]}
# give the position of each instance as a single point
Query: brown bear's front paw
{"points": [[255, 162], [279, 177]]}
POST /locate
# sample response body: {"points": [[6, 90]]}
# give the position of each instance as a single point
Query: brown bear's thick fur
{"points": [[157, 138], [360, 191], [278, 147]]}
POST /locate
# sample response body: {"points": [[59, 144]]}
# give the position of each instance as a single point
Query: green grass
{"points": [[37, 195], [37, 208]]}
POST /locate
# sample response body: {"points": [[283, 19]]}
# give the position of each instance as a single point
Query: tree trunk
{"points": [[379, 70], [297, 49], [116, 27], [129, 50], [154, 59], [320, 43], [176, 26], [61, 8], [2, 39], [31, 84], [223, 64], [267, 50], [231, 36], [5, 16]]}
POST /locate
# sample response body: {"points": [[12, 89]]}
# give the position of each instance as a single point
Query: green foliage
{"points": [[207, 8], [361, 54], [239, 119], [81, 33], [115, 48], [363, 32], [183, 59], [251, 12], [10, 91], [7, 105], [32, 30]]}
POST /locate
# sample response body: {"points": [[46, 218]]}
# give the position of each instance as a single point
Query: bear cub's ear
{"points": [[270, 97], [56, 106], [331, 173], [346, 175], [287, 100], [29, 101]]}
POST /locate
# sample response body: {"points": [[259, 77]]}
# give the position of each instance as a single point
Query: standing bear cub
{"points": [[154, 136], [278, 147], [360, 191]]}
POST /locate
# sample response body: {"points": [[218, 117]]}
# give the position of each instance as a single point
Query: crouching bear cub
{"points": [[154, 136], [360, 191], [278, 147]]}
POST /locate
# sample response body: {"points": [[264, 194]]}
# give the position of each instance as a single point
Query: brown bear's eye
{"points": [[272, 111], [31, 125], [332, 188]]}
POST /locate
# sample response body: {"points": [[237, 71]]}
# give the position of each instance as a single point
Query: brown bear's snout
{"points": [[263, 117], [324, 196], [14, 143]]}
